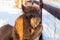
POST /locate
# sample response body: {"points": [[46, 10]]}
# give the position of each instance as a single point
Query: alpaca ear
{"points": [[23, 8]]}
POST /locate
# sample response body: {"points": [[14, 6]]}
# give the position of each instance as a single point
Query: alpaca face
{"points": [[33, 13]]}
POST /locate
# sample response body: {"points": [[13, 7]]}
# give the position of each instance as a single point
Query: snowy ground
{"points": [[50, 24]]}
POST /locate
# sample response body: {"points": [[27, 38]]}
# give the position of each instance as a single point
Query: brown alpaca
{"points": [[28, 24]]}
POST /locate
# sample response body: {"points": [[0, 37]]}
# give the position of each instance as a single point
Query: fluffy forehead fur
{"points": [[30, 9]]}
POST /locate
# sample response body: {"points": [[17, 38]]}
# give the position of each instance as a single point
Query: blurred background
{"points": [[11, 9]]}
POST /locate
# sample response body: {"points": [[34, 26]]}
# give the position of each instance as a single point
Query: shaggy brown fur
{"points": [[5, 32], [28, 26]]}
